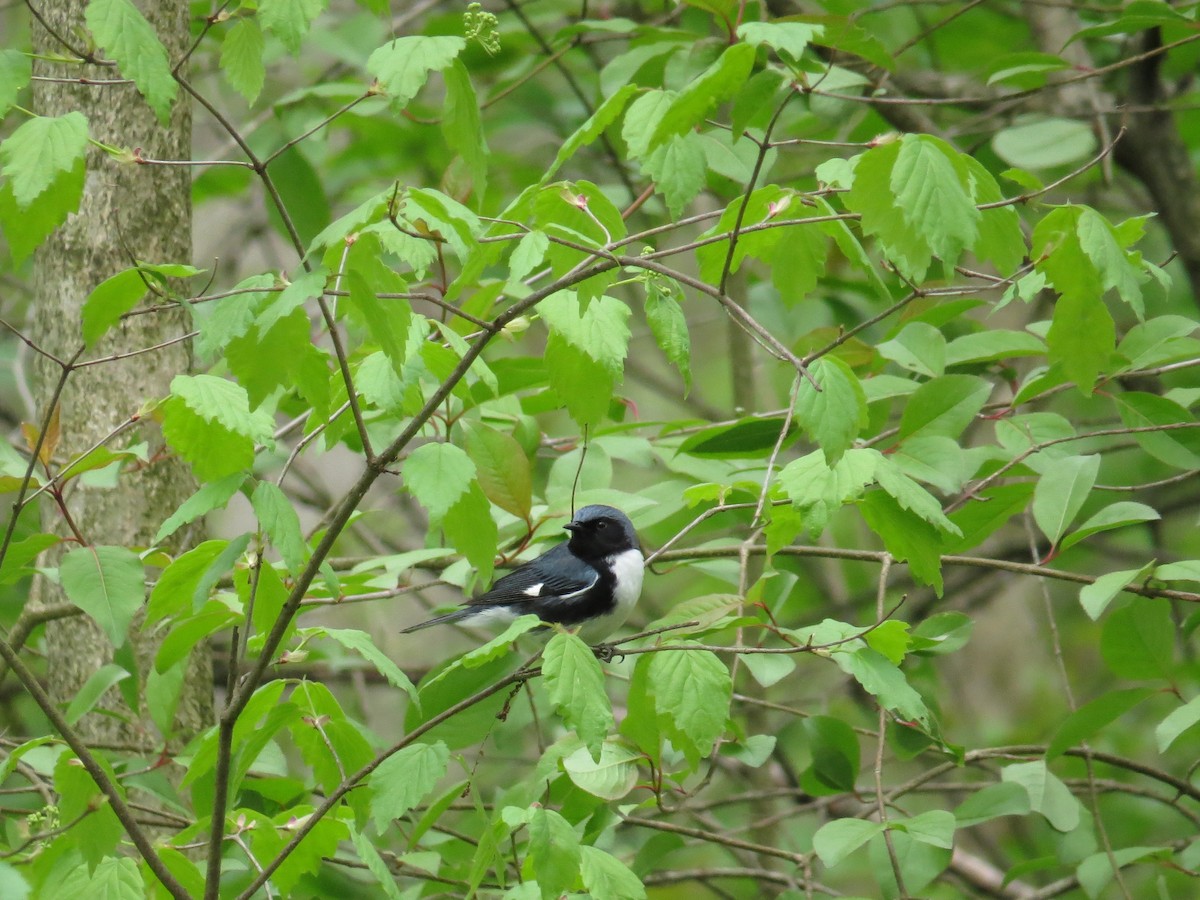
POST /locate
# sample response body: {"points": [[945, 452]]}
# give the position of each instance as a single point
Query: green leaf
{"points": [[885, 681], [944, 406], [575, 684], [16, 563], [934, 827], [242, 58], [360, 642], [12, 883], [790, 37], [39, 151], [836, 840], [749, 438], [1179, 721], [25, 228], [1115, 515], [919, 347], [16, 70], [819, 489], [278, 519], [208, 421], [472, 531], [93, 689], [1044, 142], [891, 639], [714, 85], [210, 497], [679, 170], [836, 756], [112, 878], [502, 467], [1096, 872], [601, 331], [1005, 798], [121, 29], [178, 589], [994, 344], [942, 633], [607, 878], [1138, 640], [1083, 724], [610, 777], [1179, 447], [606, 113], [403, 780], [833, 416], [1061, 492], [375, 864], [642, 118], [501, 644], [289, 20], [554, 852], [930, 184], [108, 301], [107, 583], [906, 535], [1095, 597], [691, 690], [189, 631], [402, 66], [437, 474], [462, 126], [911, 496], [668, 324], [871, 196], [1047, 794]]}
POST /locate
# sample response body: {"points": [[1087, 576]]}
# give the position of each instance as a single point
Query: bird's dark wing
{"points": [[557, 573]]}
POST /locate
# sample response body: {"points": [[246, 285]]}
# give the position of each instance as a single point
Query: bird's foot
{"points": [[607, 652]]}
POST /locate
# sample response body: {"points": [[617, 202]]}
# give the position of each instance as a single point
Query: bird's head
{"points": [[600, 531]]}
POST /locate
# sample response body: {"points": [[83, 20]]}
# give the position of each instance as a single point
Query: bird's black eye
{"points": [[601, 525]]}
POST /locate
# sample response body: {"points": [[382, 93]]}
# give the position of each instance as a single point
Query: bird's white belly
{"points": [[628, 566]]}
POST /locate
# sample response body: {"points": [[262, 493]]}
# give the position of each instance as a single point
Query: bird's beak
{"points": [[572, 527]]}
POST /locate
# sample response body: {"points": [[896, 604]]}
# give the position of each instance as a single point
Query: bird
{"points": [[590, 581]]}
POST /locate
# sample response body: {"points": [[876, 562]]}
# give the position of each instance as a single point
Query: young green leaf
{"points": [[1138, 640], [1179, 721], [122, 30], [242, 58], [1061, 491], [402, 66], [575, 683], [107, 583], [1086, 721], [836, 840], [833, 416], [692, 690], [606, 877], [437, 474], [278, 519], [39, 151], [402, 780], [1047, 794], [714, 85], [502, 466], [554, 852], [669, 327], [93, 689], [289, 20]]}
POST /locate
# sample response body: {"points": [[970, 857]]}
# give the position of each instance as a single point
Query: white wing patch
{"points": [[583, 590], [534, 590]]}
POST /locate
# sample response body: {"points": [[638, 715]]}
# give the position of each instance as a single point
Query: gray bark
{"points": [[128, 211]]}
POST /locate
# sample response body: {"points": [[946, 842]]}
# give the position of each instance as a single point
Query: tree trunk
{"points": [[128, 211]]}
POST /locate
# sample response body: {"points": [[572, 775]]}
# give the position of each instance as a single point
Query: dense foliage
{"points": [[868, 315]]}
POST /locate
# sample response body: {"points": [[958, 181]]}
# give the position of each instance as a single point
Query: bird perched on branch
{"points": [[591, 581]]}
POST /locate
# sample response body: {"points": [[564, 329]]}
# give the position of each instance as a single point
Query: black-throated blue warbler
{"points": [[591, 581]]}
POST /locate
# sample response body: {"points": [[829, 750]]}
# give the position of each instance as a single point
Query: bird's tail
{"points": [[440, 620]]}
